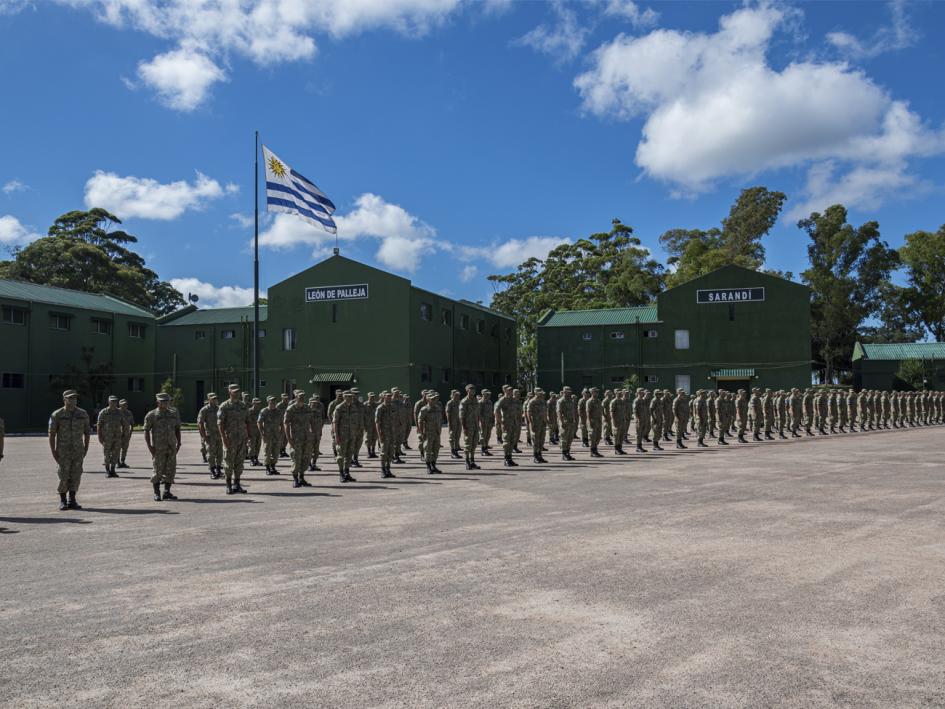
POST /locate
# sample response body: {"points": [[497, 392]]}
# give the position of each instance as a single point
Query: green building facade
{"points": [[876, 366], [337, 324], [732, 328]]}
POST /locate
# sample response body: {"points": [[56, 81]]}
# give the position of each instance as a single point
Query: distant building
{"points": [[875, 365], [732, 328]]}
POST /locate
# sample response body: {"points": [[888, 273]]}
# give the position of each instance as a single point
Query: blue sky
{"points": [[458, 138]]}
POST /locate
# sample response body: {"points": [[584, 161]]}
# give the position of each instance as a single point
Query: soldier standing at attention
{"points": [[668, 415], [833, 411], [129, 426], [346, 430], [797, 412], [318, 423], [407, 413], [712, 409], [297, 422], [618, 412], [384, 425], [453, 423], [233, 422], [486, 419], [359, 423], [582, 417], [536, 417], [528, 431], [595, 421], [162, 437], [505, 417], [608, 423], [767, 404], [849, 401], [807, 404], [210, 434], [269, 425], [741, 411], [203, 440], [701, 409], [519, 419], [655, 413], [255, 440], [429, 428], [469, 420], [421, 401], [332, 405], [566, 422], [370, 432], [506, 391], [69, 435], [823, 410], [111, 429], [757, 413], [719, 405], [397, 404], [640, 410]]}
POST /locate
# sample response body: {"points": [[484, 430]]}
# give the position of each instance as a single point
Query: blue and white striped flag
{"points": [[287, 191]]}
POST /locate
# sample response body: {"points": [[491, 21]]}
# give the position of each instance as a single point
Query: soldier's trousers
{"points": [[255, 441], [618, 430], [584, 433], [538, 439], [680, 428], [657, 427], [301, 457], [508, 442], [608, 428], [516, 433], [215, 450], [316, 443], [112, 450], [486, 432], [742, 426], [164, 464], [454, 437], [471, 441], [594, 434], [370, 437], [125, 442], [70, 472], [388, 450], [431, 447], [498, 434], [407, 429], [272, 442], [358, 442], [346, 451], [234, 457]]}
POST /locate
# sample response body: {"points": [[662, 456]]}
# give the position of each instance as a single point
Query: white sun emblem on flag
{"points": [[276, 167]]}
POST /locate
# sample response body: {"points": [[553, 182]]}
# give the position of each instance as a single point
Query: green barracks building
{"points": [[730, 329], [875, 366], [335, 325]]}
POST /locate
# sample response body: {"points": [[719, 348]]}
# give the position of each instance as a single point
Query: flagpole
{"points": [[256, 271]]}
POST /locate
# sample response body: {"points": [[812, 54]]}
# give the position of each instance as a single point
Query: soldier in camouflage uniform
{"points": [[203, 441], [429, 428], [822, 407], [506, 419], [486, 420], [210, 434], [719, 405], [742, 406], [332, 405], [162, 437], [595, 420], [407, 413], [701, 409], [297, 423], [126, 437], [618, 414], [69, 435], [111, 429], [385, 426], [453, 423], [346, 422], [469, 421], [318, 424], [757, 409], [796, 407], [605, 412], [654, 413], [519, 419], [536, 418], [370, 432], [767, 405], [233, 422], [401, 412], [421, 401], [582, 417], [255, 440], [269, 425], [359, 424], [680, 415], [641, 416], [567, 423]]}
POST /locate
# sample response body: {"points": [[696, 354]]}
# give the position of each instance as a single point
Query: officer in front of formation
{"points": [[110, 428], [162, 437], [233, 422], [69, 433]]}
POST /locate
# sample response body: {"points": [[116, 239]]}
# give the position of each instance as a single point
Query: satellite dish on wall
{"points": [[193, 297]]}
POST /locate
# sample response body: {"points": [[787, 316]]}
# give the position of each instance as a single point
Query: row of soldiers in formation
{"points": [[239, 429]]}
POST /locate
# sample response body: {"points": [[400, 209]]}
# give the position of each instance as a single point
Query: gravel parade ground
{"points": [[788, 573]]}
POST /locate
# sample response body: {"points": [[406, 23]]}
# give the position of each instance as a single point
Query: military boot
{"points": [[74, 503], [485, 451], [355, 462], [111, 471], [237, 487], [296, 482], [741, 438], [168, 495], [584, 443], [63, 505], [656, 446], [303, 482], [595, 453], [701, 443], [608, 440], [472, 464], [618, 450], [641, 449], [203, 454], [157, 492], [756, 437], [348, 478], [679, 443]]}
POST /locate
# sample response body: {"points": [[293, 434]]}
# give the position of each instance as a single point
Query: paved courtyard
{"points": [[799, 573]]}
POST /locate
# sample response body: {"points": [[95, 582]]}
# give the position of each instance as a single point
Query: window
{"points": [[14, 316], [480, 326], [200, 334], [495, 331], [101, 327], [651, 379], [464, 322], [59, 322], [446, 377], [262, 383], [261, 332], [616, 335], [11, 380], [682, 339], [228, 334], [446, 317], [426, 311], [426, 373], [288, 386], [650, 333], [136, 330], [586, 336], [682, 382], [616, 380], [135, 383], [288, 339]]}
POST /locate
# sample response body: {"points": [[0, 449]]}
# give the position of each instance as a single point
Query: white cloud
{"points": [[862, 187], [468, 273], [899, 34], [243, 220], [715, 108], [14, 186], [629, 10], [146, 198], [287, 231], [513, 252], [404, 254], [563, 39], [13, 233], [212, 296], [182, 78]]}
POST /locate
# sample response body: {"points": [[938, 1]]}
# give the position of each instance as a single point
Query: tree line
{"points": [[850, 273]]}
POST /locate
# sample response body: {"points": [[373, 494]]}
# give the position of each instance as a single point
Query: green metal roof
{"points": [[218, 316], [905, 350], [332, 377], [484, 308], [50, 295], [610, 316], [736, 373]]}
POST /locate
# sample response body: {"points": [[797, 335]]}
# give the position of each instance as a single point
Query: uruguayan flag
{"points": [[287, 191]]}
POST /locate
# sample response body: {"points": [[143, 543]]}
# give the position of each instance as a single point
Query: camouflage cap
{"points": [[211, 395], [69, 393], [163, 397], [270, 398], [122, 401], [486, 391], [354, 390], [233, 387], [257, 400], [434, 395], [470, 386], [348, 392], [371, 393], [296, 392], [113, 398]]}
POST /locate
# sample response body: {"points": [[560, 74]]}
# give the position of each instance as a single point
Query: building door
{"points": [[201, 395], [733, 385]]}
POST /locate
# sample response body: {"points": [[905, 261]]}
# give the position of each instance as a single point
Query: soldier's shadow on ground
{"points": [[295, 494], [4, 530], [220, 501], [116, 511], [46, 520]]}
